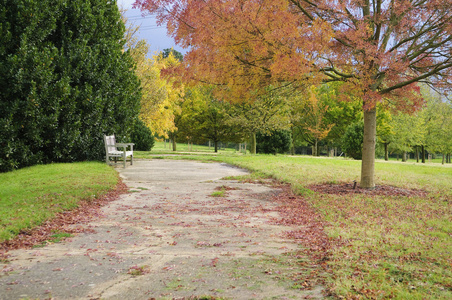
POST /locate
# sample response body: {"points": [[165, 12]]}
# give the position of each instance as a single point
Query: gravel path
{"points": [[168, 239]]}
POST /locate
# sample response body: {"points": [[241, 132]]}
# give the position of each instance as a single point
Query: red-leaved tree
{"points": [[379, 49]]}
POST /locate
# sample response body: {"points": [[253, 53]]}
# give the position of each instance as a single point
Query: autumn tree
{"points": [[161, 98], [379, 49]]}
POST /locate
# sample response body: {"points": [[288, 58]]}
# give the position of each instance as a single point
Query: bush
{"points": [[278, 141], [352, 140], [64, 81], [142, 137]]}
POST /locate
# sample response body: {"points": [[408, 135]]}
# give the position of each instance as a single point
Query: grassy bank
{"points": [[30, 196], [386, 246]]}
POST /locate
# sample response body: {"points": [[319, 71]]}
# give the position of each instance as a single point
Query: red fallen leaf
{"points": [[57, 269], [214, 262]]}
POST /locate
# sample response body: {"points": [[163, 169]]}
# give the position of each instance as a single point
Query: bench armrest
{"points": [[125, 145]]}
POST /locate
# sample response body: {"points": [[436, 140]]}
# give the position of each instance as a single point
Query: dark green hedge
{"points": [[352, 141], [278, 141], [142, 137], [64, 81]]}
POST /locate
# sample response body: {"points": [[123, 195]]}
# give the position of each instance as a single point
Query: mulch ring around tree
{"points": [[379, 190]]}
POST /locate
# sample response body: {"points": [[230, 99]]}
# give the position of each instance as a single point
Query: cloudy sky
{"points": [[155, 35]]}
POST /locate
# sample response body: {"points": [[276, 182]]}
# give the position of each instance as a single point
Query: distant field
{"points": [[166, 148], [162, 147]]}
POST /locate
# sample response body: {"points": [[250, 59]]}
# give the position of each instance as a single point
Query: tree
{"points": [[161, 98], [177, 55], [64, 81], [352, 141], [438, 128], [385, 131], [205, 118], [379, 49], [277, 141], [266, 113], [313, 119]]}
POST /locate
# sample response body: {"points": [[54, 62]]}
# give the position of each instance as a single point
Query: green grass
{"points": [[30, 196], [219, 193], [388, 246], [166, 149]]}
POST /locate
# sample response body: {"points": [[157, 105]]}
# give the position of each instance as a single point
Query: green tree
{"points": [[277, 141], [352, 141], [409, 132], [266, 113], [206, 118], [166, 52], [64, 81], [438, 137], [313, 120], [385, 132]]}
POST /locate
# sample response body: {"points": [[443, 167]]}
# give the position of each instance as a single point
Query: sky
{"points": [[155, 35]]}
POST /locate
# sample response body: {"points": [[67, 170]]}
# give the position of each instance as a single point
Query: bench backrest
{"points": [[110, 142]]}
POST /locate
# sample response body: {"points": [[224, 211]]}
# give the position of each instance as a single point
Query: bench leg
{"points": [[124, 158]]}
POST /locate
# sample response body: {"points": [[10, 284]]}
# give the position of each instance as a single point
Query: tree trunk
{"points": [[316, 148], [444, 158], [404, 156], [423, 154], [216, 146], [417, 154], [253, 143], [173, 139], [368, 158], [386, 151]]}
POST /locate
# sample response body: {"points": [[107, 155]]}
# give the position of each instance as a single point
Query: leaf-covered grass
{"points": [[384, 246], [30, 196]]}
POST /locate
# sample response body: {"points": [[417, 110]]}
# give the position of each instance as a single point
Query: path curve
{"points": [[167, 239]]}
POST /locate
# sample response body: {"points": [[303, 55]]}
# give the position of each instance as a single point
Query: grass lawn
{"points": [[30, 196], [386, 246]]}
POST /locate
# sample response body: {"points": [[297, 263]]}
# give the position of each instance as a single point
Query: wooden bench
{"points": [[112, 151]]}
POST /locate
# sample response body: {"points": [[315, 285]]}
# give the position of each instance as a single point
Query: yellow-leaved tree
{"points": [[161, 97]]}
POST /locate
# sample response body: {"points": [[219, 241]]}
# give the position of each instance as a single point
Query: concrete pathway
{"points": [[167, 239]]}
